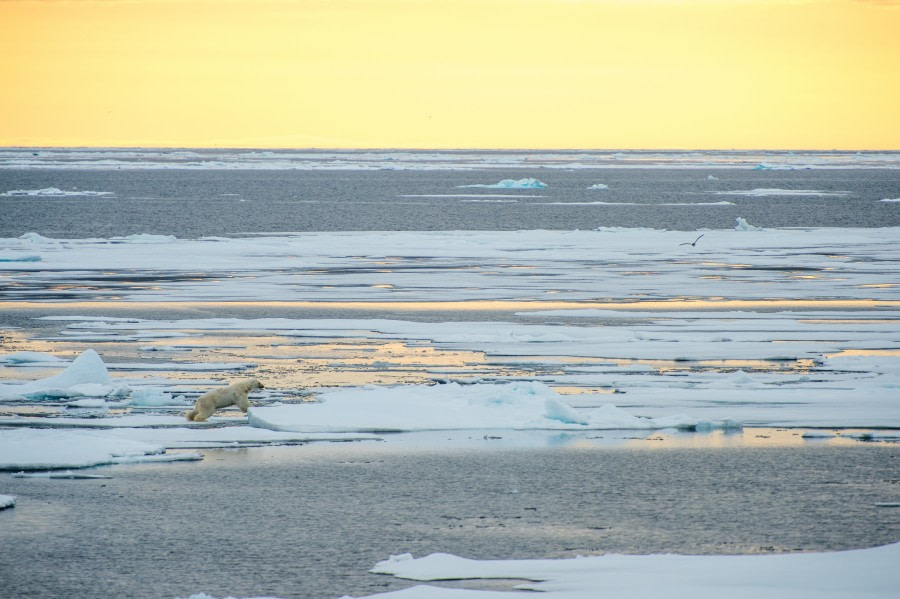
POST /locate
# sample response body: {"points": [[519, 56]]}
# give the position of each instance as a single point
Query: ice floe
{"points": [[526, 183], [7, 501], [453, 406], [53, 192], [743, 225], [47, 449], [599, 186], [31, 358], [774, 192], [87, 375], [838, 575]]}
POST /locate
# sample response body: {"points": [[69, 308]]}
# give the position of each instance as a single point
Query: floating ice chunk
{"points": [[36, 238], [30, 357], [8, 257], [152, 396], [526, 183], [146, 238], [599, 186], [452, 406], [762, 167], [776, 192], [86, 375], [890, 200], [837, 575], [47, 449], [53, 192], [712, 178], [7, 501], [743, 225]]}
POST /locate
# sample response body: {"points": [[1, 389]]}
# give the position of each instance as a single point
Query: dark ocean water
{"points": [[309, 522], [196, 203]]}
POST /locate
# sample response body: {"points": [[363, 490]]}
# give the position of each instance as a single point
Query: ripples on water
{"points": [[202, 202]]}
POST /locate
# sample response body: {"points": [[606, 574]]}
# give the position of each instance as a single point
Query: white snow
{"points": [[53, 192], [47, 449], [86, 375], [7, 501], [870, 573], [526, 183], [453, 406]]}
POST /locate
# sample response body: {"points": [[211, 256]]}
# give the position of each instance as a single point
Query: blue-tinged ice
{"points": [[527, 183]]}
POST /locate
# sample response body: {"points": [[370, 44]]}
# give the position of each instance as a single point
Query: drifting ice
{"points": [[86, 375], [513, 184], [743, 225]]}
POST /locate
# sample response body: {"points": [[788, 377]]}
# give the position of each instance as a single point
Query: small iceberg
{"points": [[743, 225], [7, 501], [85, 376], [599, 186], [513, 184], [712, 178]]}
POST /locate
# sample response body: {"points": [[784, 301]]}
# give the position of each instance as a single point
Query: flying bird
{"points": [[693, 243]]}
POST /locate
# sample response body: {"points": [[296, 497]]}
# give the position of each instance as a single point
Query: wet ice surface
{"points": [[311, 521]]}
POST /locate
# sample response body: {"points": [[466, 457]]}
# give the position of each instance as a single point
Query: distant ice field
{"points": [[202, 202]]}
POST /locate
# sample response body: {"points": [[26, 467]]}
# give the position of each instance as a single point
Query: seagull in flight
{"points": [[692, 243]]}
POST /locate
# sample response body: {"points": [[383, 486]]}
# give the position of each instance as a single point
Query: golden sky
{"points": [[798, 74]]}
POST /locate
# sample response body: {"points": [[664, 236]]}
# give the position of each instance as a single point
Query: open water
{"points": [[195, 203], [310, 521]]}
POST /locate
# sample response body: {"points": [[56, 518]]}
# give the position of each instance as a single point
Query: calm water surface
{"points": [[191, 204], [308, 522]]}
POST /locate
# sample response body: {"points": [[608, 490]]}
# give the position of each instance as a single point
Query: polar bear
{"points": [[234, 394]]}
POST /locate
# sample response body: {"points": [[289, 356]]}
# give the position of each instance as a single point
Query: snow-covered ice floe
{"points": [[773, 192], [47, 449], [7, 501], [87, 375], [870, 573], [452, 407]]}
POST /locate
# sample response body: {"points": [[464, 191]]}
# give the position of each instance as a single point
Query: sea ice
{"points": [[527, 183], [47, 449], [770, 192], [53, 192], [30, 358], [599, 186], [891, 200], [86, 375], [453, 406], [712, 178], [743, 225], [870, 573], [7, 501]]}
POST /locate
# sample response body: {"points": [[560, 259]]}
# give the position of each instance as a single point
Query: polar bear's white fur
{"points": [[232, 395]]}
